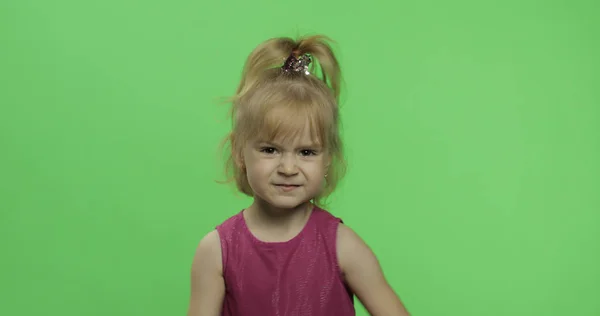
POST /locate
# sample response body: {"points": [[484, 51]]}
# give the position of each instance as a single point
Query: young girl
{"points": [[285, 255]]}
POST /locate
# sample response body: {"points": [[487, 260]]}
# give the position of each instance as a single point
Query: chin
{"points": [[285, 203]]}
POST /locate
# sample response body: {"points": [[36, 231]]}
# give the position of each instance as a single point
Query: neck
{"points": [[264, 214]]}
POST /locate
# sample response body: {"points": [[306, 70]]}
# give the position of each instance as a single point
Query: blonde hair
{"points": [[270, 103]]}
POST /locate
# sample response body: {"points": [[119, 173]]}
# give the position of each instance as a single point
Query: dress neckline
{"points": [[292, 240]]}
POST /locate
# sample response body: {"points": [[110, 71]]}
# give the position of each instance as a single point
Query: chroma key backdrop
{"points": [[472, 132]]}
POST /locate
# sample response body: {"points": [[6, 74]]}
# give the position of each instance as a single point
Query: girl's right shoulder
{"points": [[208, 253], [207, 283]]}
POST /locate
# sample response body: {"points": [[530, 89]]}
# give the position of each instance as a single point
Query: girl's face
{"points": [[285, 175]]}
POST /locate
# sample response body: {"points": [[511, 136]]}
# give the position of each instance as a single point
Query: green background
{"points": [[472, 133]]}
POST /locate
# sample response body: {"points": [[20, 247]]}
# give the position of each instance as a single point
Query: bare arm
{"points": [[365, 277], [207, 285]]}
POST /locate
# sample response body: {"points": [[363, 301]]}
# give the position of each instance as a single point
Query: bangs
{"points": [[283, 116], [283, 123]]}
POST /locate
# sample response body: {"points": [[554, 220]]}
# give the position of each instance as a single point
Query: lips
{"points": [[287, 187]]}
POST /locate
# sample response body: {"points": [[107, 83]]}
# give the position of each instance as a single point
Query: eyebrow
{"points": [[311, 145]]}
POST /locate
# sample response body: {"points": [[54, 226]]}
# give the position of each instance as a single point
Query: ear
{"points": [[328, 161], [239, 160], [327, 164], [237, 155]]}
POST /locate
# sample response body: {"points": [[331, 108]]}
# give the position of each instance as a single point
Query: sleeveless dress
{"points": [[299, 277]]}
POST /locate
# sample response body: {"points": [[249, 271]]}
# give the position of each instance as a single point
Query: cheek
{"points": [[258, 169], [315, 170]]}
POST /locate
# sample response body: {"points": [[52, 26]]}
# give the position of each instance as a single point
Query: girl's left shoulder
{"points": [[348, 242], [353, 253], [363, 274]]}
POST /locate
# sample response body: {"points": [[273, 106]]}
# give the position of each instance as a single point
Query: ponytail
{"points": [[271, 55], [318, 47]]}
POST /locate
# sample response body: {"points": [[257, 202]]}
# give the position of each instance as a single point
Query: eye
{"points": [[308, 152], [268, 150]]}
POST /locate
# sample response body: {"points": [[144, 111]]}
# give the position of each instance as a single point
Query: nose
{"points": [[287, 164]]}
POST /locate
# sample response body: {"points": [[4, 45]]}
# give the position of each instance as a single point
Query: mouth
{"points": [[287, 187]]}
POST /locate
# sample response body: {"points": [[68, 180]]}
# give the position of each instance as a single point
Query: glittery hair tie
{"points": [[297, 64]]}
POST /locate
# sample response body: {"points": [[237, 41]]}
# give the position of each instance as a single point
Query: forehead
{"points": [[302, 138], [287, 127]]}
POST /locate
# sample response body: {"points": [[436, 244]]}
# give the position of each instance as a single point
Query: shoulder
{"points": [[227, 230], [230, 224], [347, 238], [325, 218], [363, 274], [208, 253], [344, 236], [352, 251], [207, 282], [209, 241]]}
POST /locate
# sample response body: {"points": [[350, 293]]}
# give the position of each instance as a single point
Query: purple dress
{"points": [[299, 277]]}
